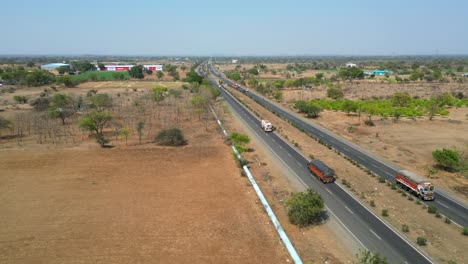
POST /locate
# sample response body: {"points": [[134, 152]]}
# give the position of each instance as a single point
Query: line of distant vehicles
{"points": [[407, 180]]}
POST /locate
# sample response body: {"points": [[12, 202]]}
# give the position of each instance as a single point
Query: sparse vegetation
{"points": [[305, 208], [422, 241], [171, 137], [367, 257], [405, 228], [384, 212]]}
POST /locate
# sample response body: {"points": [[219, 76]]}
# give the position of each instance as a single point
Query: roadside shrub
{"points": [[410, 198], [40, 103], [171, 137], [438, 215], [372, 203], [385, 212], [305, 208], [394, 187], [418, 201], [405, 228], [447, 220], [447, 158], [20, 99], [368, 122], [369, 257], [465, 231], [382, 180], [421, 241], [432, 209], [102, 140]]}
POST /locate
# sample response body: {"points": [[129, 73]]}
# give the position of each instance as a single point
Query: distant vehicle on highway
{"points": [[415, 184], [267, 126], [322, 171]]}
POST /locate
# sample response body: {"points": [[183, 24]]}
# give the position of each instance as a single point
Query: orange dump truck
{"points": [[322, 171]]}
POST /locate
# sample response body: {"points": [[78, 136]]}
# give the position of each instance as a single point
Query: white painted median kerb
{"points": [[292, 251]]}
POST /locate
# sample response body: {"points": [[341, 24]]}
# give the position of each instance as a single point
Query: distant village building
{"points": [[378, 72], [350, 65], [465, 74], [54, 66], [235, 61], [151, 67]]}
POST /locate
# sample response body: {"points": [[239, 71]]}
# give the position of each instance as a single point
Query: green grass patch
{"points": [[100, 76]]}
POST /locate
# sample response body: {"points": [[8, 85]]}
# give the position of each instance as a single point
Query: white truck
{"points": [[267, 126]]}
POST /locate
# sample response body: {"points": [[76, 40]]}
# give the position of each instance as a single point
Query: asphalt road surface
{"points": [[363, 225], [446, 205]]}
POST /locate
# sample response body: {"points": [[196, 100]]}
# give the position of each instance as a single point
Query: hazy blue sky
{"points": [[254, 27]]}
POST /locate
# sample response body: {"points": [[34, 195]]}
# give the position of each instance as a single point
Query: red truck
{"points": [[415, 184], [322, 171]]}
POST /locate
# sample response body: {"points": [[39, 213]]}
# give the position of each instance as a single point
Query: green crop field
{"points": [[385, 108], [100, 76]]}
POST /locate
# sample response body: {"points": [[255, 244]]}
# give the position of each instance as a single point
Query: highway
{"points": [[448, 206], [365, 227]]}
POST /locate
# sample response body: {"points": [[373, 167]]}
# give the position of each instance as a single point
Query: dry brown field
{"points": [[77, 203]]}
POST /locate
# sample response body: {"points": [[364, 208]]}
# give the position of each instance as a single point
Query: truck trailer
{"points": [[267, 126], [322, 171], [415, 184]]}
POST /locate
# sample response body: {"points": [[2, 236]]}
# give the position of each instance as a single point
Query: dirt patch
{"points": [[128, 205], [65, 200], [445, 241]]}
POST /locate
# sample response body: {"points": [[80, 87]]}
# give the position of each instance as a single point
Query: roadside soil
{"points": [[445, 241], [132, 204]]}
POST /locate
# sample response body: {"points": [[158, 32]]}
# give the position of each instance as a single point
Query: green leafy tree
{"points": [[349, 106], [41, 103], [305, 208], [5, 123], [193, 77], [319, 76], [253, 71], [66, 80], [61, 106], [351, 73], [83, 66], [310, 109], [159, 75], [140, 127], [278, 95], [20, 99], [171, 137], [447, 158], [370, 110], [125, 132], [100, 101], [136, 72], [62, 70], [401, 100], [335, 92], [446, 99], [95, 121], [183, 68], [432, 108], [159, 93]]}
